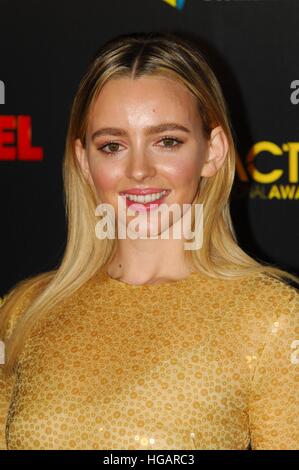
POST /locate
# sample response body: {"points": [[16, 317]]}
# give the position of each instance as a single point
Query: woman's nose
{"points": [[139, 165]]}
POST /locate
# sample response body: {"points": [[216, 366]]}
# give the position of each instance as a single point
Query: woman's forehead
{"points": [[143, 99]]}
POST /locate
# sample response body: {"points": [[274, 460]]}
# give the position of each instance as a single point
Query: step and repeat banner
{"points": [[45, 47]]}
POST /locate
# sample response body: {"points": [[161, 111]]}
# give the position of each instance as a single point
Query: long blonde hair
{"points": [[220, 256]]}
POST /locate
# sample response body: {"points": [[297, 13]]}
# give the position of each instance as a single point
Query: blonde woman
{"points": [[140, 343]]}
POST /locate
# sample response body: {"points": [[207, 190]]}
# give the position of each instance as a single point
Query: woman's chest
{"points": [[129, 383]]}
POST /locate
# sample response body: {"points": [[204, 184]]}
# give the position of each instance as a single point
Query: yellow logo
{"points": [[179, 4], [267, 183]]}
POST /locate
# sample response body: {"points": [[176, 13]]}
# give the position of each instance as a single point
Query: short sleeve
{"points": [[274, 398]]}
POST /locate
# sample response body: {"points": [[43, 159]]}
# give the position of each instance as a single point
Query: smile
{"points": [[145, 202], [143, 199]]}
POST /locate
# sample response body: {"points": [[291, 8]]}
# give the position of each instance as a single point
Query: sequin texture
{"points": [[198, 363]]}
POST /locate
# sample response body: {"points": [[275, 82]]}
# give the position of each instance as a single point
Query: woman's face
{"points": [[143, 156]]}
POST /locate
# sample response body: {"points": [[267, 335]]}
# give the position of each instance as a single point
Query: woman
{"points": [[140, 343]]}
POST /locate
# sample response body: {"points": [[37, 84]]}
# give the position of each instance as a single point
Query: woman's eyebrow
{"points": [[166, 126]]}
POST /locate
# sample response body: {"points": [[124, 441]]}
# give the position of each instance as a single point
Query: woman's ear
{"points": [[216, 152], [82, 159]]}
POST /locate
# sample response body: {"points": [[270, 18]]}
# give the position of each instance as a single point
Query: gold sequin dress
{"points": [[198, 363]]}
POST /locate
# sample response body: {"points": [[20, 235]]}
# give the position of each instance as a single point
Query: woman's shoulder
{"points": [[254, 286], [17, 299], [258, 309], [259, 297], [268, 300], [275, 291], [264, 286], [270, 293]]}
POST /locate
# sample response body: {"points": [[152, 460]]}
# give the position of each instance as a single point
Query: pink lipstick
{"points": [[144, 206]]}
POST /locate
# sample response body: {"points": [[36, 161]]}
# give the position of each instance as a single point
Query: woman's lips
{"points": [[147, 206], [145, 191]]}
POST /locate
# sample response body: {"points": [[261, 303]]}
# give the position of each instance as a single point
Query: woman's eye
{"points": [[170, 140], [113, 146]]}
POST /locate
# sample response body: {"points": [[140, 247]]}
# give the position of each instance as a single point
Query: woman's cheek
{"points": [[183, 174], [105, 179]]}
